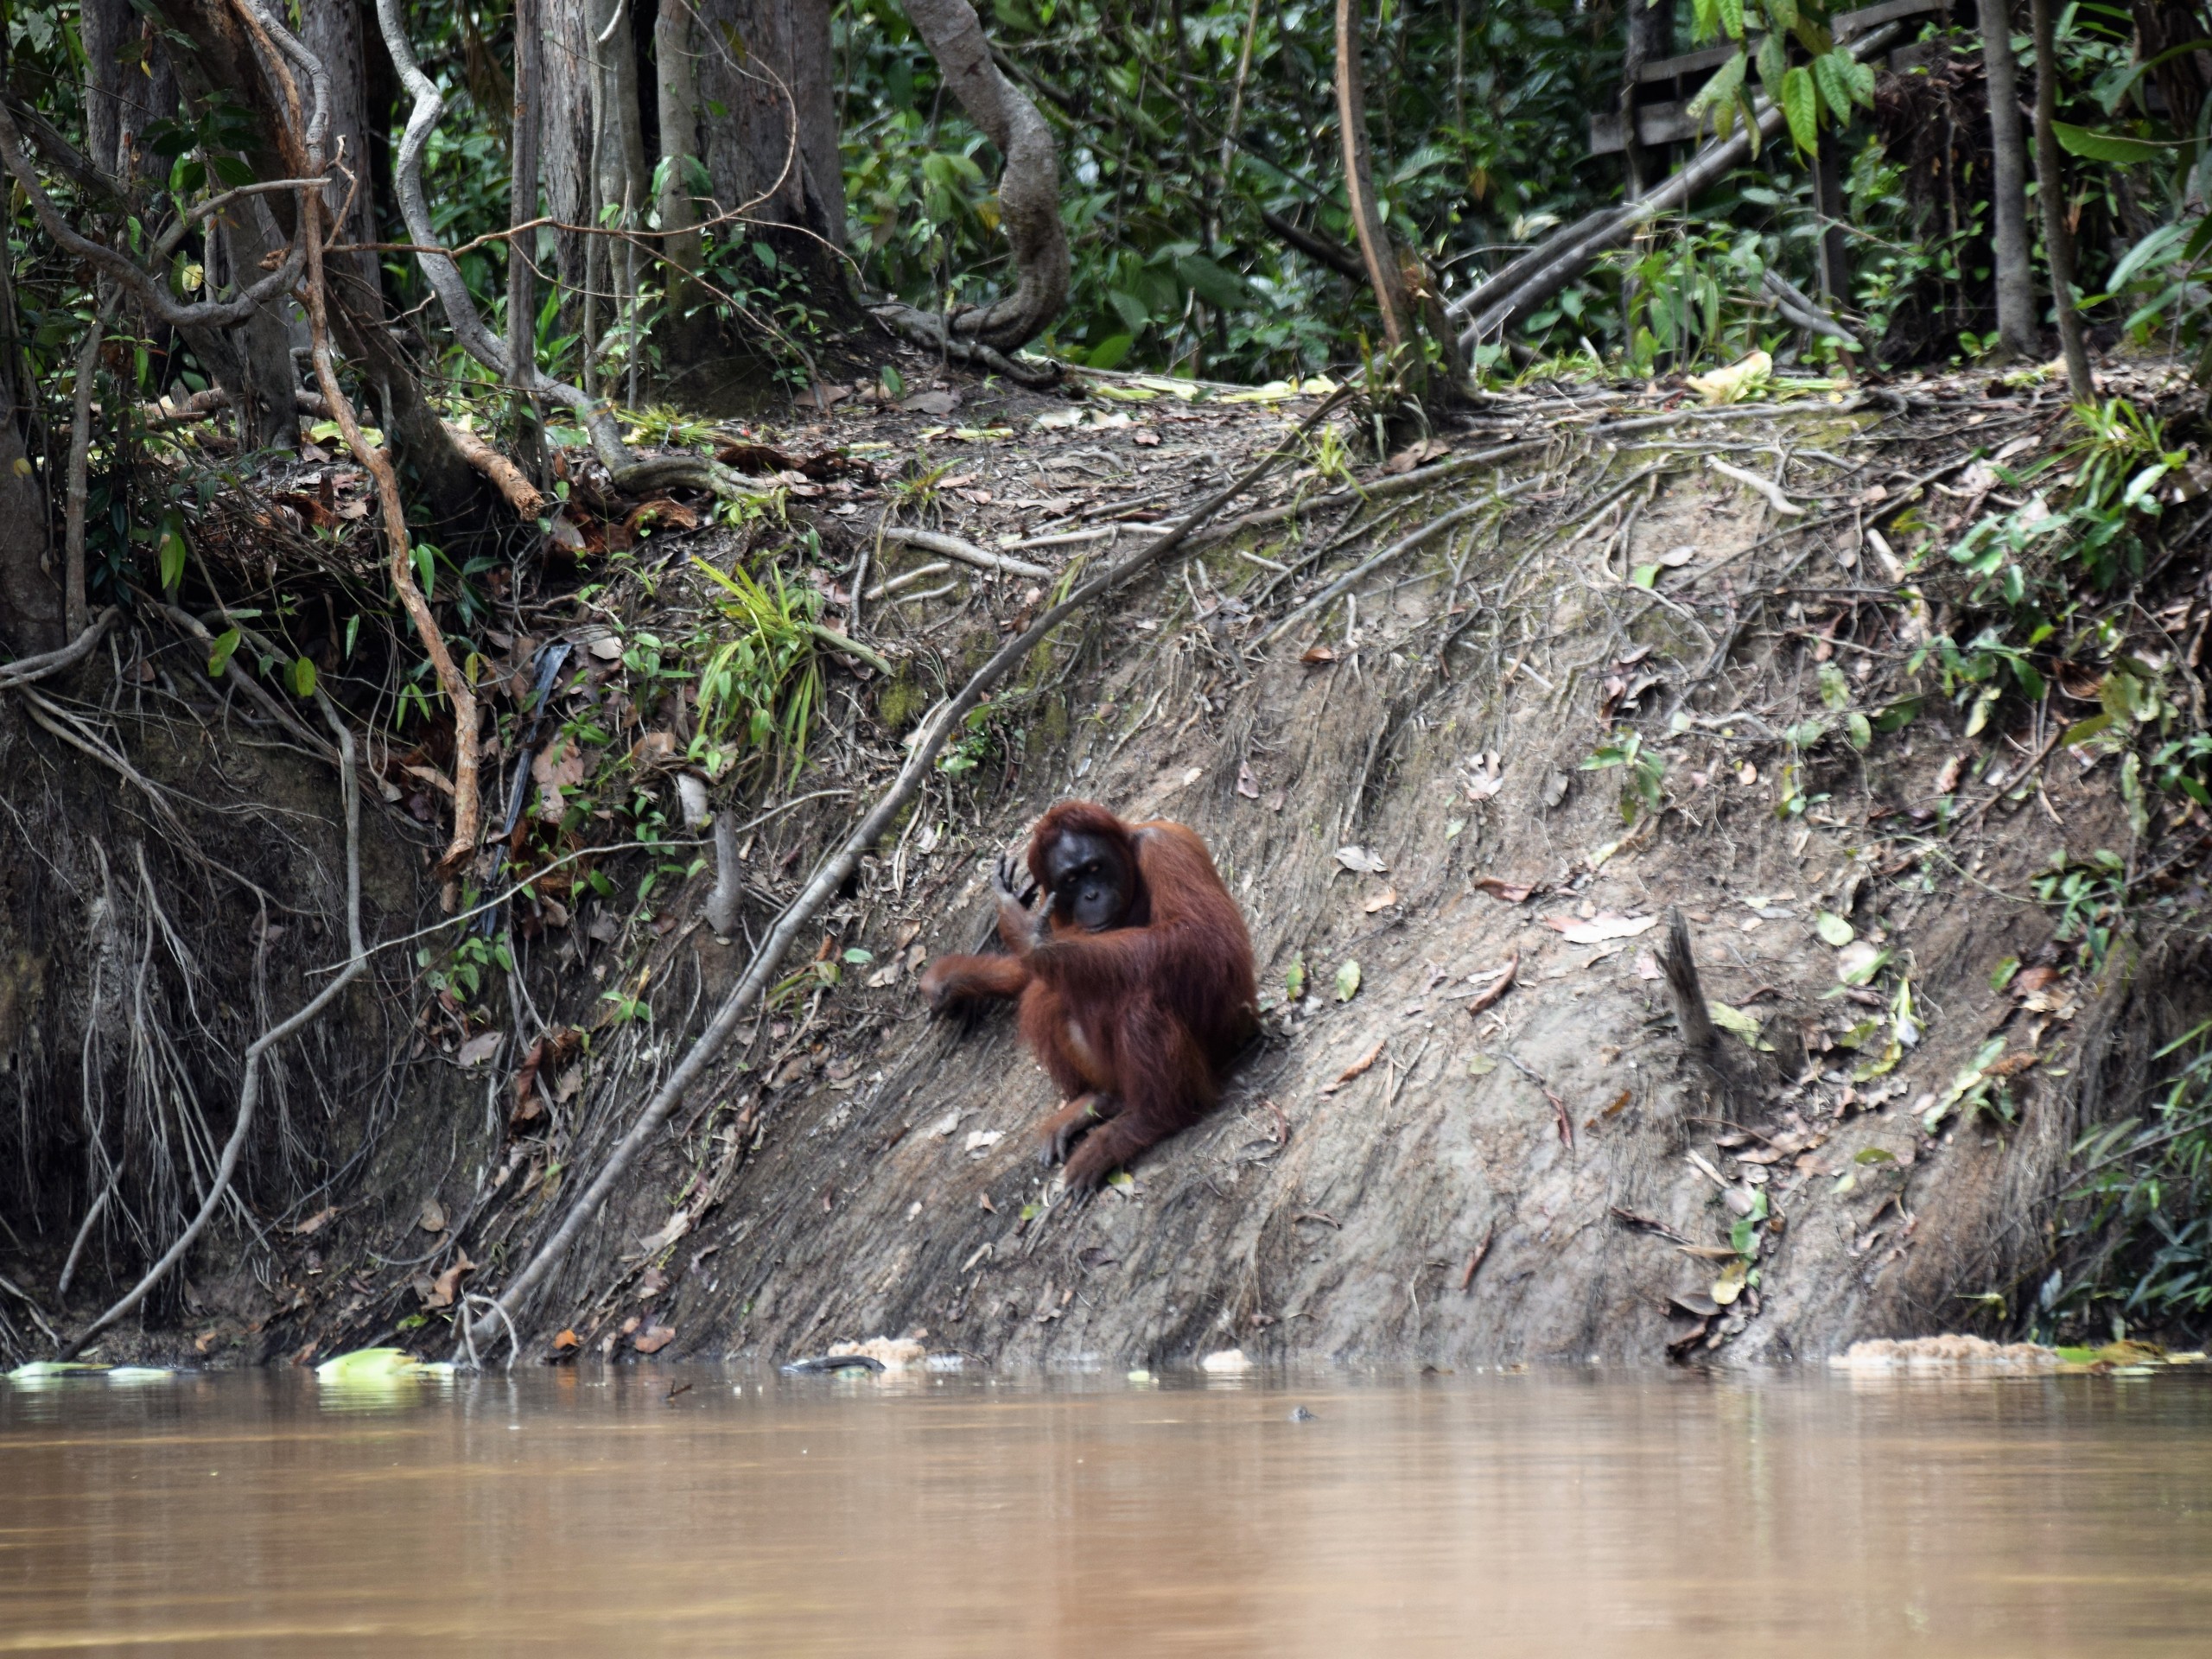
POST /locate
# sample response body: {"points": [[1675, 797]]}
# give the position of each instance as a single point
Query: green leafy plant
{"points": [[1641, 772]]}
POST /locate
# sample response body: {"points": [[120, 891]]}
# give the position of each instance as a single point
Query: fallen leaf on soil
{"points": [[446, 1285], [1418, 453], [1356, 1068], [1348, 982], [2031, 980], [481, 1047], [1647, 966], [1490, 995], [1359, 859], [1833, 929], [315, 1223], [653, 1338], [1246, 784], [1607, 925], [1382, 901], [433, 1217], [1317, 654], [979, 1140], [565, 1341], [1947, 779], [1512, 892], [1747, 774], [931, 403]]}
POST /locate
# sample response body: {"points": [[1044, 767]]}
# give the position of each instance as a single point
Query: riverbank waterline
{"points": [[689, 1510]]}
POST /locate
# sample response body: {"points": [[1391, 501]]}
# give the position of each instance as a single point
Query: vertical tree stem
{"points": [[2016, 283], [2051, 192], [1359, 180]]}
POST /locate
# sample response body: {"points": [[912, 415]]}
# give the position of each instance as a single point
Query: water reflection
{"points": [[591, 1511]]}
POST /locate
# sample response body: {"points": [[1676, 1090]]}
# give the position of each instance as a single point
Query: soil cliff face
{"points": [[1456, 803]]}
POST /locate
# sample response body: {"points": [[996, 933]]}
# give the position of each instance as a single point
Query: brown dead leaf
{"points": [[1489, 996], [931, 403], [432, 1216], [1498, 887], [1356, 1068], [1947, 779], [2028, 980], [315, 1223], [1145, 440], [446, 1285], [1317, 654], [1246, 784], [1382, 901], [565, 1341], [653, 1338]]}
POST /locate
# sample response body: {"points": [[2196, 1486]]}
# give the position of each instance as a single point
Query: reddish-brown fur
{"points": [[1135, 1022]]}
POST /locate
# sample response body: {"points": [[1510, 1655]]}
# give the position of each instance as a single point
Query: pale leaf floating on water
{"points": [[378, 1368]]}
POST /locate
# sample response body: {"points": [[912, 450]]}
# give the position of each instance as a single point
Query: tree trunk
{"points": [[333, 31], [105, 25], [2016, 283], [765, 65], [2051, 192], [565, 153], [677, 95], [1375, 248], [30, 585], [1029, 184]]}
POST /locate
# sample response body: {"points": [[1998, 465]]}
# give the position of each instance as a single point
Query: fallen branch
{"points": [[928, 740], [932, 541], [1319, 249], [920, 573], [1798, 307], [1751, 480], [505, 477]]}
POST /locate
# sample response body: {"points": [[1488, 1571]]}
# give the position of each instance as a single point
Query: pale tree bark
{"points": [[2016, 283], [676, 89], [1384, 275], [565, 156], [2051, 193]]}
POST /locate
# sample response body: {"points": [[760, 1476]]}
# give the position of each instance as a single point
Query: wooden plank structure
{"points": [[1658, 90]]}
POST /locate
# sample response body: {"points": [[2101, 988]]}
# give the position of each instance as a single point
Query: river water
{"points": [[1564, 1513]]}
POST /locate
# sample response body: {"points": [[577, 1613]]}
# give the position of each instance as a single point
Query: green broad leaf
{"points": [[425, 569], [2001, 976], [172, 558], [1774, 64], [1834, 80], [1898, 716], [2113, 147], [1133, 311], [301, 676], [1742, 1024], [1644, 575], [1705, 18], [1781, 13], [1109, 352], [1857, 731], [1859, 1035], [1214, 283], [1835, 689], [893, 382], [1481, 1066], [1833, 929], [1348, 982], [1732, 18], [1743, 1239], [1293, 979], [1801, 107], [1717, 97], [1806, 733], [220, 654], [376, 1365], [1874, 1155], [1862, 84], [857, 957]]}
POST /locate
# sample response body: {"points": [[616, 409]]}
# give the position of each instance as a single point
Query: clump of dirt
{"points": [[1461, 730]]}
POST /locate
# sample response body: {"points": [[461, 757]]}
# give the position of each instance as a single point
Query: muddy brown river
{"points": [[1571, 1514]]}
